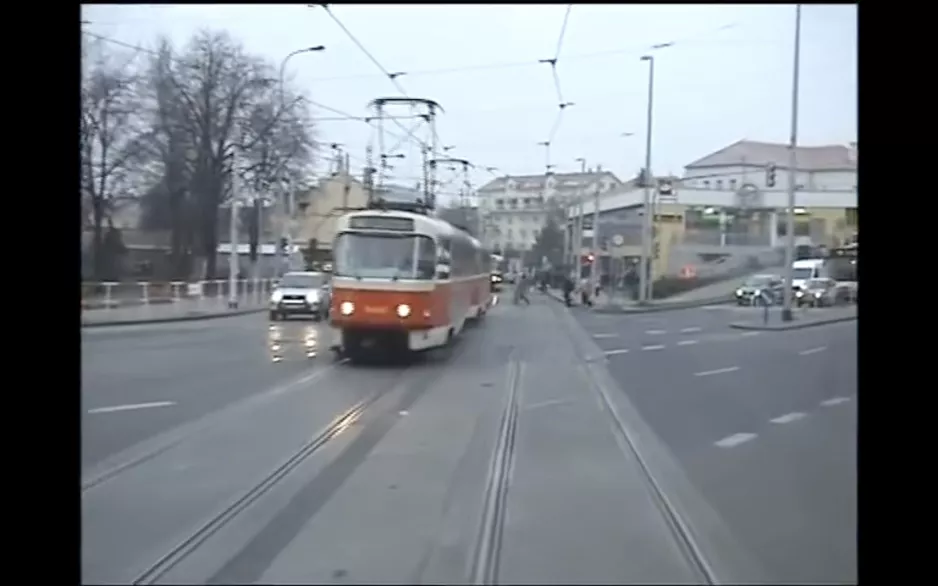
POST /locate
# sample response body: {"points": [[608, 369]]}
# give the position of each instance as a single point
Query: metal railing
{"points": [[113, 295]]}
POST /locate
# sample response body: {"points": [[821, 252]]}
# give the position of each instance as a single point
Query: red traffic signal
{"points": [[588, 258]]}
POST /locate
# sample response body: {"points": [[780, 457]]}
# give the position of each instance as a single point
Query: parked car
{"points": [[823, 292], [755, 290]]}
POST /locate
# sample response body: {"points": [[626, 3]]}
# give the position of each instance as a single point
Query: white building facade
{"points": [[514, 209]]}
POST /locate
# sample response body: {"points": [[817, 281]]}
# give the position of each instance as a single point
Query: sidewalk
{"points": [[182, 310], [720, 292], [805, 318]]}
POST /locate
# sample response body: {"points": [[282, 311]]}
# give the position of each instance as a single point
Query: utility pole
{"points": [[594, 271], [792, 174], [348, 182], [233, 242], [285, 228], [644, 276]]}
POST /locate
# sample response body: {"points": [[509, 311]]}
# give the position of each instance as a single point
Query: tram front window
{"points": [[378, 256]]}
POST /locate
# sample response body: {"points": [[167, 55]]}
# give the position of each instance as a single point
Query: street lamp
{"points": [[792, 174], [288, 199]]}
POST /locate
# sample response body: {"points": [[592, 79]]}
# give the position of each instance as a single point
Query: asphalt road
{"points": [[763, 424], [405, 490], [139, 381]]}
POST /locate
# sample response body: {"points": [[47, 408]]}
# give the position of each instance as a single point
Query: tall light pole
{"points": [[287, 200], [792, 174], [646, 196]]}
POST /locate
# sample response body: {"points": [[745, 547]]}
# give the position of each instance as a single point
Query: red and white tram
{"points": [[404, 281]]}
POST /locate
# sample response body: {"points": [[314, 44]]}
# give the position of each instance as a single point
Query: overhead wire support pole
{"points": [[792, 175], [644, 274]]}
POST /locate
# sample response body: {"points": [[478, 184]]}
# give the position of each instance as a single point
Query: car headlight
{"points": [[739, 292], [312, 297], [799, 293], [403, 310], [818, 293], [347, 308], [276, 296]]}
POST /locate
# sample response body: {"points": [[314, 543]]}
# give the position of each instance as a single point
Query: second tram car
{"points": [[404, 281]]}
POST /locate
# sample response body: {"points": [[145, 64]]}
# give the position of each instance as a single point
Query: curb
{"points": [[178, 318], [792, 326], [662, 306]]}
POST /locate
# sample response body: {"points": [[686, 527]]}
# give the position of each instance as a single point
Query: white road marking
{"points": [[788, 418], [749, 334], [689, 330], [687, 342], [735, 440], [601, 336], [813, 350], [717, 371], [117, 408], [655, 332], [653, 347], [615, 352], [835, 401]]}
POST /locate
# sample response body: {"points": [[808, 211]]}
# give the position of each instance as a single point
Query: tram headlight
{"points": [[403, 310], [347, 307]]}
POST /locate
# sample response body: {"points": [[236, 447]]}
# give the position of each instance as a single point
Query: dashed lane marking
{"points": [[749, 334], [788, 418], [734, 440], [653, 347], [687, 342], [813, 350], [656, 332], [717, 371], [616, 352], [117, 408], [834, 401], [603, 336], [690, 330]]}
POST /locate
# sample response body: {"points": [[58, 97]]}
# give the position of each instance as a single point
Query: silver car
{"points": [[759, 287], [823, 292], [300, 293]]}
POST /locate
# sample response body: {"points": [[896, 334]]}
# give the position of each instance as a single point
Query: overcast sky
{"points": [[728, 75]]}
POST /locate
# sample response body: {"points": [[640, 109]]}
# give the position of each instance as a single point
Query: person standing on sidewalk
{"points": [[524, 283], [568, 288]]}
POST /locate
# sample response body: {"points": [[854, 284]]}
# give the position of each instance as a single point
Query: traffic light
{"points": [[770, 175], [588, 258], [284, 244]]}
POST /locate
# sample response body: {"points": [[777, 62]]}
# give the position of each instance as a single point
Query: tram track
{"points": [[679, 527], [217, 521], [373, 425], [489, 542]]}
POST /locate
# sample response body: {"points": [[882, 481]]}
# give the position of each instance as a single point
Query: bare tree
{"points": [[111, 141], [215, 110]]}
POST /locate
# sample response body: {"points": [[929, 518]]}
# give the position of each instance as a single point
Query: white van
{"points": [[802, 270]]}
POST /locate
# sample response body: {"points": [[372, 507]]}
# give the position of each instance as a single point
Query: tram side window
{"points": [[445, 260], [426, 258], [460, 258]]}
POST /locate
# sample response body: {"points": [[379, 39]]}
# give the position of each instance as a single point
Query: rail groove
{"points": [[488, 546], [679, 527]]}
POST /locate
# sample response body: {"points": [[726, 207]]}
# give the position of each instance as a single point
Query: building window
{"points": [[707, 184], [499, 203], [852, 217], [732, 184], [513, 203], [719, 184]]}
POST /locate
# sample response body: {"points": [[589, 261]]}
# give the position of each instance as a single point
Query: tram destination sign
{"points": [[386, 223]]}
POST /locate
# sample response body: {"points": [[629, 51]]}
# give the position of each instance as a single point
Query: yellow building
{"points": [[322, 207], [697, 224]]}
